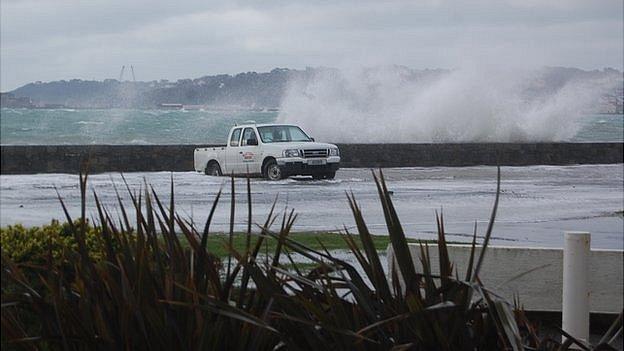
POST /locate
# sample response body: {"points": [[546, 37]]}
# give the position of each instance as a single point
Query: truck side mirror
{"points": [[312, 139], [251, 142]]}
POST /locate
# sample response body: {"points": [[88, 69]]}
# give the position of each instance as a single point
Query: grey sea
{"points": [[68, 126], [117, 126]]}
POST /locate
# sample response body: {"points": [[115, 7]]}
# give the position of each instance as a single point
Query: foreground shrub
{"points": [[143, 289], [35, 244]]}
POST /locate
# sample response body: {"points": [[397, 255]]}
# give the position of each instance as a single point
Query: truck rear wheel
{"points": [[213, 169], [272, 171]]}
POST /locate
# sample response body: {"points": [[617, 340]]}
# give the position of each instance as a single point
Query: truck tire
{"points": [[272, 171], [329, 175], [213, 169]]}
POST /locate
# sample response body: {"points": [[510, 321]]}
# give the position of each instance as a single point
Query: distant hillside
{"points": [[243, 90], [247, 90]]}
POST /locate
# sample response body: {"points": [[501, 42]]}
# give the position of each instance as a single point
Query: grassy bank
{"points": [[217, 243], [33, 243]]}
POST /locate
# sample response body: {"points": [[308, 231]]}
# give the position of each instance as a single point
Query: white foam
{"points": [[476, 104], [89, 122]]}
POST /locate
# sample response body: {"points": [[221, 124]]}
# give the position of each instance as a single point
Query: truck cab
{"points": [[273, 151]]}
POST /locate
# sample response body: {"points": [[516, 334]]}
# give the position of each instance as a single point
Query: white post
{"points": [[576, 285]]}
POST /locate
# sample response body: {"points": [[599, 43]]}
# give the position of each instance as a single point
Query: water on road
{"points": [[537, 203]]}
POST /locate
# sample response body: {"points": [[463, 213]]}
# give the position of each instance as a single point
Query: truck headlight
{"points": [[291, 153], [334, 151]]}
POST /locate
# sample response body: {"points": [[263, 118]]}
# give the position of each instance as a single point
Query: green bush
{"points": [[35, 244]]}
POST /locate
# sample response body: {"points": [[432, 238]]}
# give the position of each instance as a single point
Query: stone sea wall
{"points": [[143, 158]]}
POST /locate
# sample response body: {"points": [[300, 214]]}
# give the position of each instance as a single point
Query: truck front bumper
{"points": [[301, 166]]}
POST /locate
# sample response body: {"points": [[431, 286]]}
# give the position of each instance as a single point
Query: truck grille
{"points": [[314, 153]]}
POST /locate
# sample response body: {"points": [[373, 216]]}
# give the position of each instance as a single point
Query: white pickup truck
{"points": [[273, 151]]}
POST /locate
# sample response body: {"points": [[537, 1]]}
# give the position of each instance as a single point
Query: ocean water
{"points": [[118, 126], [537, 204]]}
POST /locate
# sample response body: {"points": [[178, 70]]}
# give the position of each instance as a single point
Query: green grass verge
{"points": [[217, 242], [27, 243], [33, 243]]}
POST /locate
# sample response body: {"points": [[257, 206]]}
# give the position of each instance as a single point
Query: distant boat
{"points": [[194, 107], [171, 106]]}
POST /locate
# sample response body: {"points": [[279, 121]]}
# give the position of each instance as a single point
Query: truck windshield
{"points": [[281, 134]]}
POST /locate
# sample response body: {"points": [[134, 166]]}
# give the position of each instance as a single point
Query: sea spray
{"points": [[477, 104]]}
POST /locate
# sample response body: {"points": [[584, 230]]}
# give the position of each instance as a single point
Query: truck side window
{"points": [[235, 137], [248, 134]]}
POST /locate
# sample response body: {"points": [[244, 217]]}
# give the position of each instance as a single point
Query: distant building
{"points": [[11, 101], [613, 102], [619, 101]]}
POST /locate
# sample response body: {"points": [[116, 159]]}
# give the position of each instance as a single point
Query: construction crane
{"points": [[123, 69]]}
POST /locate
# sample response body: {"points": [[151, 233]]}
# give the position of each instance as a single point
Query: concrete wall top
{"points": [[535, 275]]}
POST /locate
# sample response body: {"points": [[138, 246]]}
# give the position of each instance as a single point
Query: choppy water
{"points": [[537, 205], [66, 126], [117, 126]]}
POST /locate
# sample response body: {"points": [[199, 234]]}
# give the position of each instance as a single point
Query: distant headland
{"points": [[249, 90]]}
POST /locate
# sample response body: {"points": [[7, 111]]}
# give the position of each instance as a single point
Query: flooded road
{"points": [[537, 203]]}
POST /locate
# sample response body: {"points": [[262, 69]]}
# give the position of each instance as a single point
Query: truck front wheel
{"points": [[272, 171], [213, 169], [329, 175]]}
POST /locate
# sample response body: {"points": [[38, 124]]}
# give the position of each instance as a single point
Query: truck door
{"points": [[249, 152], [232, 156]]}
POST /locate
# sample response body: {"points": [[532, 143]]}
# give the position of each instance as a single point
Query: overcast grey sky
{"points": [[63, 39]]}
